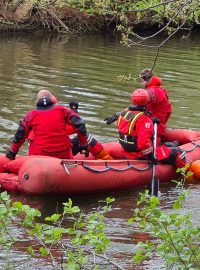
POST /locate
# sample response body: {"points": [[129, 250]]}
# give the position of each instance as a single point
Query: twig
{"points": [[175, 248], [58, 19], [162, 29], [164, 41], [108, 260], [95, 255]]}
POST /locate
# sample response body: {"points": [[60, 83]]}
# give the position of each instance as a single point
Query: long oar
{"points": [[154, 185]]}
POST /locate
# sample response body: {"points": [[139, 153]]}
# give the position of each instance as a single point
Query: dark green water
{"points": [[86, 69]]}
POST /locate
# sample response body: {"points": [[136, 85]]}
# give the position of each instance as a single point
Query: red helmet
{"points": [[140, 97]]}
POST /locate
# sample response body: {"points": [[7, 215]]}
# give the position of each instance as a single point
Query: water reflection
{"points": [[86, 69]]}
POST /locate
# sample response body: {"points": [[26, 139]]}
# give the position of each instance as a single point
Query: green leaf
{"points": [[31, 250], [53, 218], [177, 205], [43, 251], [73, 266], [130, 220], [4, 196], [17, 205]]}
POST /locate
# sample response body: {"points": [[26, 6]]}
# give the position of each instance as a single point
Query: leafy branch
{"points": [[79, 244], [171, 236]]}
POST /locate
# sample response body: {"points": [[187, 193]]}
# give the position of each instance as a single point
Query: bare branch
{"points": [[94, 254], [162, 29], [58, 19], [164, 41]]}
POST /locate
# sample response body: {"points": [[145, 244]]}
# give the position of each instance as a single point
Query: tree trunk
{"points": [[23, 11]]}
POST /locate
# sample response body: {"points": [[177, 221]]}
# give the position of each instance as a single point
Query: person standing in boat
{"points": [[135, 128], [158, 100], [158, 103], [48, 122]]}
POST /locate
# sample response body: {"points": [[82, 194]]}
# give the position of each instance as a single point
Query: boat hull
{"points": [[47, 175]]}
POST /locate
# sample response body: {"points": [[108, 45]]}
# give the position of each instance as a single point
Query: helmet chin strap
{"points": [[137, 108]]}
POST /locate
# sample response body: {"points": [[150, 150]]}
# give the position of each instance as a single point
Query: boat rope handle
{"points": [[107, 168], [130, 166], [195, 145], [198, 145], [95, 170], [65, 167]]}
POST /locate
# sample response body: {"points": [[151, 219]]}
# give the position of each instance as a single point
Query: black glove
{"points": [[10, 154], [156, 120], [153, 160], [111, 119], [84, 150], [74, 106]]}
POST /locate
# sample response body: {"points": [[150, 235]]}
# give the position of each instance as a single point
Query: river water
{"points": [[87, 69]]}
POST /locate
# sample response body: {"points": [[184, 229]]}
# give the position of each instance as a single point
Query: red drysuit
{"points": [[159, 103], [136, 134], [48, 124]]}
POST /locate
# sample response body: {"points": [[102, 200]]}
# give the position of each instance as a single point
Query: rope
{"points": [[66, 164], [116, 169], [95, 170], [195, 145], [130, 166], [198, 145]]}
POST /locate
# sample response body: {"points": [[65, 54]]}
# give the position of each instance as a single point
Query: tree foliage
{"points": [[168, 15], [128, 17], [83, 242], [172, 236]]}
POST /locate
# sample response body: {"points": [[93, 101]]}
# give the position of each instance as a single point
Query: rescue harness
{"points": [[126, 124]]}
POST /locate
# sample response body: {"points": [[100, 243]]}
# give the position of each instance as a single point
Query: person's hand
{"points": [[156, 120], [74, 106], [10, 154], [84, 150], [111, 119]]}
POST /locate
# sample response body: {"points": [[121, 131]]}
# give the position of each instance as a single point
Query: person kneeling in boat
{"points": [[48, 122], [136, 132]]}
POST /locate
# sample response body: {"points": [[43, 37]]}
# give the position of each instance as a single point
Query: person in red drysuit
{"points": [[96, 148], [72, 105], [136, 132], [158, 103], [44, 93], [48, 122]]}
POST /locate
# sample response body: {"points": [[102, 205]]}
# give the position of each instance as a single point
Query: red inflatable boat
{"points": [[42, 175]]}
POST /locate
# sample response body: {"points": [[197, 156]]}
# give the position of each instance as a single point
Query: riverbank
{"points": [[82, 16], [58, 20]]}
